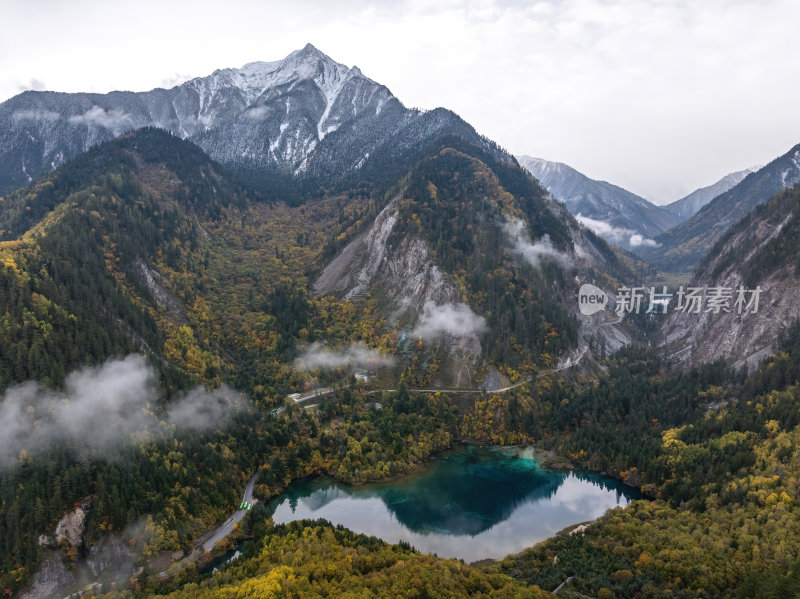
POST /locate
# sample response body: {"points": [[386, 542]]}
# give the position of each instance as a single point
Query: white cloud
{"points": [[258, 113], [32, 84], [170, 81], [35, 115], [116, 119], [356, 355], [457, 320], [533, 252], [615, 234], [604, 228], [200, 409], [102, 408], [636, 240]]}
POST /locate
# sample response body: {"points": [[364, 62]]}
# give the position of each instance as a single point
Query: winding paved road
{"points": [[225, 529], [562, 585], [312, 395], [569, 364]]}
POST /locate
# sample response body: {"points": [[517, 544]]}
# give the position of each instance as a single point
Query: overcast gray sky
{"points": [[658, 96]]}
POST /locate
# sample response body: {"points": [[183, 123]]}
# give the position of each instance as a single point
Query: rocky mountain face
{"points": [[688, 206], [304, 116], [50, 581], [614, 213], [409, 278], [683, 247], [760, 252], [444, 249]]}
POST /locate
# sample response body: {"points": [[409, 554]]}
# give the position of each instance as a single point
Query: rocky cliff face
{"points": [[353, 270], [50, 581], [72, 525], [408, 281], [110, 556], [606, 333], [404, 274], [759, 252]]}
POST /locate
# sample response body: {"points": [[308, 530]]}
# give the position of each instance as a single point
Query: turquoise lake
{"points": [[470, 503]]}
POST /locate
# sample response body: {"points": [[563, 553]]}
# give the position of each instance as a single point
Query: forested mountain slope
{"points": [[684, 247], [146, 245]]}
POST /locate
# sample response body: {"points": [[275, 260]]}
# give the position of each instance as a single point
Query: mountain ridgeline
{"points": [[287, 126], [683, 247], [691, 204], [75, 242], [616, 214], [290, 227]]}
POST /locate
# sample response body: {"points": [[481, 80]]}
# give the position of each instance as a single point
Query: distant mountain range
{"points": [[683, 247], [688, 206], [614, 213], [305, 117]]}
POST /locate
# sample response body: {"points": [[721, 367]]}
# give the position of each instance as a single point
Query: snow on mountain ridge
{"points": [[259, 117], [304, 115], [689, 205], [255, 79], [787, 177], [617, 214]]}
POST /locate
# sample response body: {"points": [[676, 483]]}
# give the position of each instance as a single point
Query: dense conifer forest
{"points": [[145, 245]]}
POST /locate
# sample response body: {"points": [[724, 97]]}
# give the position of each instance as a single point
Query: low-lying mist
{"points": [[355, 355], [457, 320], [533, 252], [614, 233], [104, 408]]}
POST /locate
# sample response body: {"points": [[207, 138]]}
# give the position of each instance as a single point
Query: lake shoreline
{"points": [[469, 502], [547, 461]]}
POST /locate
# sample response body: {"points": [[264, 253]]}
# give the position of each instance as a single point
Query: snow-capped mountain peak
{"points": [[307, 64], [258, 118], [259, 82]]}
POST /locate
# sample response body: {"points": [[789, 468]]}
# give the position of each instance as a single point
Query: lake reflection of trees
{"points": [[469, 492], [464, 493], [609, 484]]}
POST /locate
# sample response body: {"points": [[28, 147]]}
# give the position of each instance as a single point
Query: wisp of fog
{"points": [[356, 355], [614, 233], [457, 320], [103, 408], [533, 252]]}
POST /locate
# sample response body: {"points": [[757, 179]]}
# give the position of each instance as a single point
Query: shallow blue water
{"points": [[470, 503]]}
